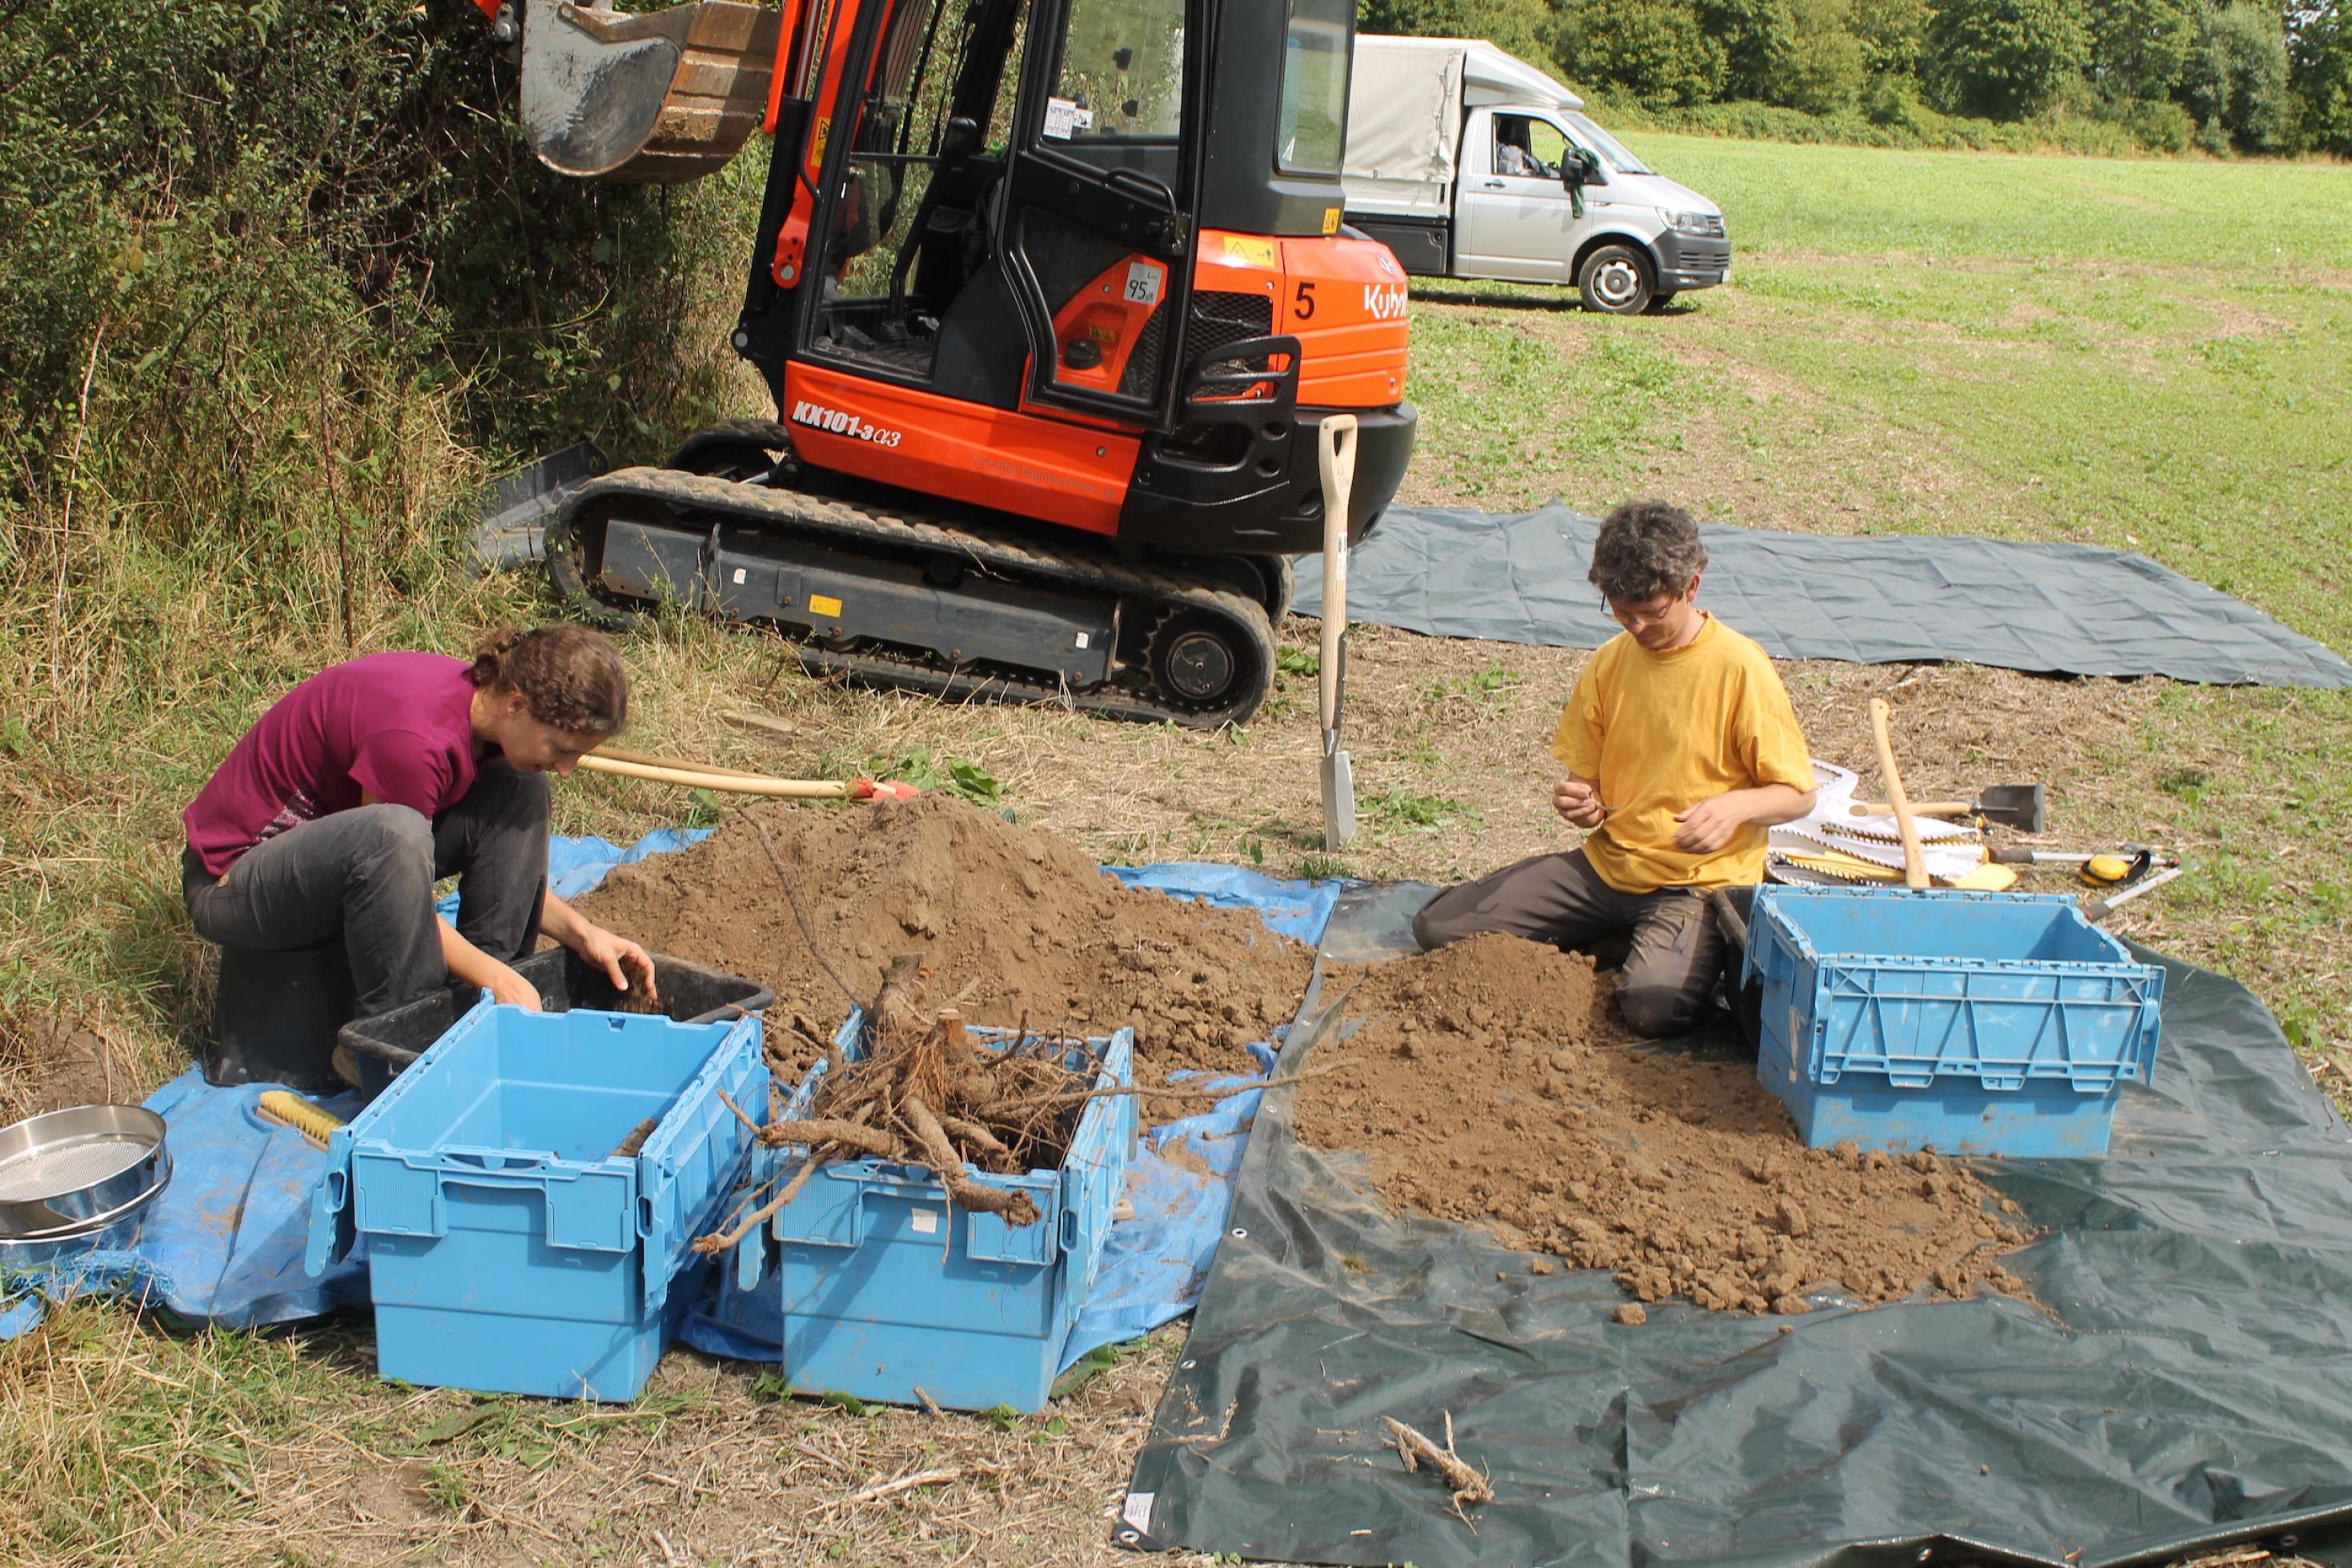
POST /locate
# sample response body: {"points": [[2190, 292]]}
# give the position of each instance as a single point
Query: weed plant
{"points": [[281, 285]]}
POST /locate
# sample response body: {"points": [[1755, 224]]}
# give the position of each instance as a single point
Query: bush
{"points": [[2235, 81], [1892, 34], [1893, 101], [1902, 121], [2320, 71], [1523, 27], [2159, 125], [1755, 35], [1654, 51], [2003, 59], [2138, 48], [275, 277], [1825, 69]]}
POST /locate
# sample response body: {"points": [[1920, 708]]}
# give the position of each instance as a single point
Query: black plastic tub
{"points": [[369, 1052]]}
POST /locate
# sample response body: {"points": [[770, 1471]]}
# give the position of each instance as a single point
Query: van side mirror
{"points": [[1579, 167]]}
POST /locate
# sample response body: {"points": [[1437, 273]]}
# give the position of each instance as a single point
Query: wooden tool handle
{"points": [[684, 765], [1915, 860], [1918, 809], [1335, 444], [727, 783]]}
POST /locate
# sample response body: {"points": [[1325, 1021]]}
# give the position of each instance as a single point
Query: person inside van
{"points": [[1511, 154]]}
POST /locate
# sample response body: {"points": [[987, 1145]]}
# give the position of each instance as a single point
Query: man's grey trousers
{"points": [[1669, 976]]}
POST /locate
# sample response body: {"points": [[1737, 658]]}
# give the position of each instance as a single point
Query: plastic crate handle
{"points": [[334, 1228]]}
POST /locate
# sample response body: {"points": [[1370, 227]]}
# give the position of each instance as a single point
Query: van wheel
{"points": [[1615, 278]]}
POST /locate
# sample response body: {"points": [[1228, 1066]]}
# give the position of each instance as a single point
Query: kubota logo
{"points": [[1384, 301], [837, 422]]}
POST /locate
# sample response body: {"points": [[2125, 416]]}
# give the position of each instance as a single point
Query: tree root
{"points": [[1013, 1205], [827, 1130], [1465, 1485]]}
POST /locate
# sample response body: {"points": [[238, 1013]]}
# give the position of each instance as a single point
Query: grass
{"points": [[2145, 355]]}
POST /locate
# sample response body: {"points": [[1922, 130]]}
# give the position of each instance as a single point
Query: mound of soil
{"points": [[1493, 1086], [1010, 921]]}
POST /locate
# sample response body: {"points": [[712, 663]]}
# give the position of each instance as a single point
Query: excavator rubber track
{"points": [[702, 509]]}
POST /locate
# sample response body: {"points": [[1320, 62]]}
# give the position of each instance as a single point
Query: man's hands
{"points": [[1708, 826], [1700, 829], [1578, 800]]}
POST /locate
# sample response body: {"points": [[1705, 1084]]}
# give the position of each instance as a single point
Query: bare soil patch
{"points": [[47, 1064], [1493, 1086], [1012, 922]]}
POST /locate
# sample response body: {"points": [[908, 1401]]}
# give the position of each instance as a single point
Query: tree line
{"points": [[2228, 75]]}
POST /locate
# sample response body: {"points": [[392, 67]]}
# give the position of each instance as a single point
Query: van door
{"points": [[1514, 219]]}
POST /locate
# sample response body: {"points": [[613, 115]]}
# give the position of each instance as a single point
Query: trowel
{"points": [[1335, 456]]}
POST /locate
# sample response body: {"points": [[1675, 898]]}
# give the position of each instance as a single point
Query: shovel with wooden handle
{"points": [[2025, 807], [1335, 441]]}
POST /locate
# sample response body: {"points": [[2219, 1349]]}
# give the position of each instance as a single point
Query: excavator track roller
{"points": [[653, 97]]}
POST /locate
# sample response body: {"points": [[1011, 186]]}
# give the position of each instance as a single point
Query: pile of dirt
{"points": [[1011, 921], [1492, 1086]]}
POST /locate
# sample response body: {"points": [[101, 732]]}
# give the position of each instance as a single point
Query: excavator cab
{"points": [[1052, 297]]}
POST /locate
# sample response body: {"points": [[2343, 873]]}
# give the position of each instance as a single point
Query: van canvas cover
{"points": [[1405, 105]]}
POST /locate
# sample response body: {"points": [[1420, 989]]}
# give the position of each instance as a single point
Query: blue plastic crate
{"points": [[509, 1249], [872, 1284], [1977, 1023]]}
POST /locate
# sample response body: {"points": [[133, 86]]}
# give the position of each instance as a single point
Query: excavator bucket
{"points": [[652, 97]]}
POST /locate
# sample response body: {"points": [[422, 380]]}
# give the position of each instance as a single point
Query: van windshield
{"points": [[1613, 152]]}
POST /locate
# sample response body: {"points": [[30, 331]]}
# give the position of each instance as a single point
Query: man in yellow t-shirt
{"points": [[1681, 750]]}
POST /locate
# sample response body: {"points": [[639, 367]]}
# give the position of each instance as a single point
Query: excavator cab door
{"points": [[1096, 222]]}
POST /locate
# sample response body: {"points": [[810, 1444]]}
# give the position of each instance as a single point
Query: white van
{"points": [[1468, 162]]}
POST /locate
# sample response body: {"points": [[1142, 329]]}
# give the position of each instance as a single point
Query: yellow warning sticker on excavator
{"points": [[824, 604], [1331, 220], [1249, 252]]}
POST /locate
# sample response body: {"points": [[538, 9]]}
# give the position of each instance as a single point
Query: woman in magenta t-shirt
{"points": [[364, 784]]}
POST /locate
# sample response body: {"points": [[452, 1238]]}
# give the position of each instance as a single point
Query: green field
{"points": [[2151, 356]]}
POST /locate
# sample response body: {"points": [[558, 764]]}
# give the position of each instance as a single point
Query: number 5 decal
{"points": [[1302, 305]]}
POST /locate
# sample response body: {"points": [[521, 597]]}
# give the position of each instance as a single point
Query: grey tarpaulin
{"points": [[2191, 1382], [2063, 609]]}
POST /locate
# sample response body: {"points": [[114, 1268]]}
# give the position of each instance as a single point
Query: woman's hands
{"points": [[625, 963]]}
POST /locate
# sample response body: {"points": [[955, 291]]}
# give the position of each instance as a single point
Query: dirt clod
{"points": [[1632, 1314], [1680, 1174], [1011, 921]]}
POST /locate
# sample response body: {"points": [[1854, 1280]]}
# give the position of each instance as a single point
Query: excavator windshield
{"points": [[1122, 74]]}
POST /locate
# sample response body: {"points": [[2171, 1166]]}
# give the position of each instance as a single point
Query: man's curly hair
{"points": [[1645, 548]]}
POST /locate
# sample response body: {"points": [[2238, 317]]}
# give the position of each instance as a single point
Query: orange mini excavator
{"points": [[1052, 296]]}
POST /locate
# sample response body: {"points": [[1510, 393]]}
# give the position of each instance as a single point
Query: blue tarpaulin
{"points": [[225, 1241]]}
